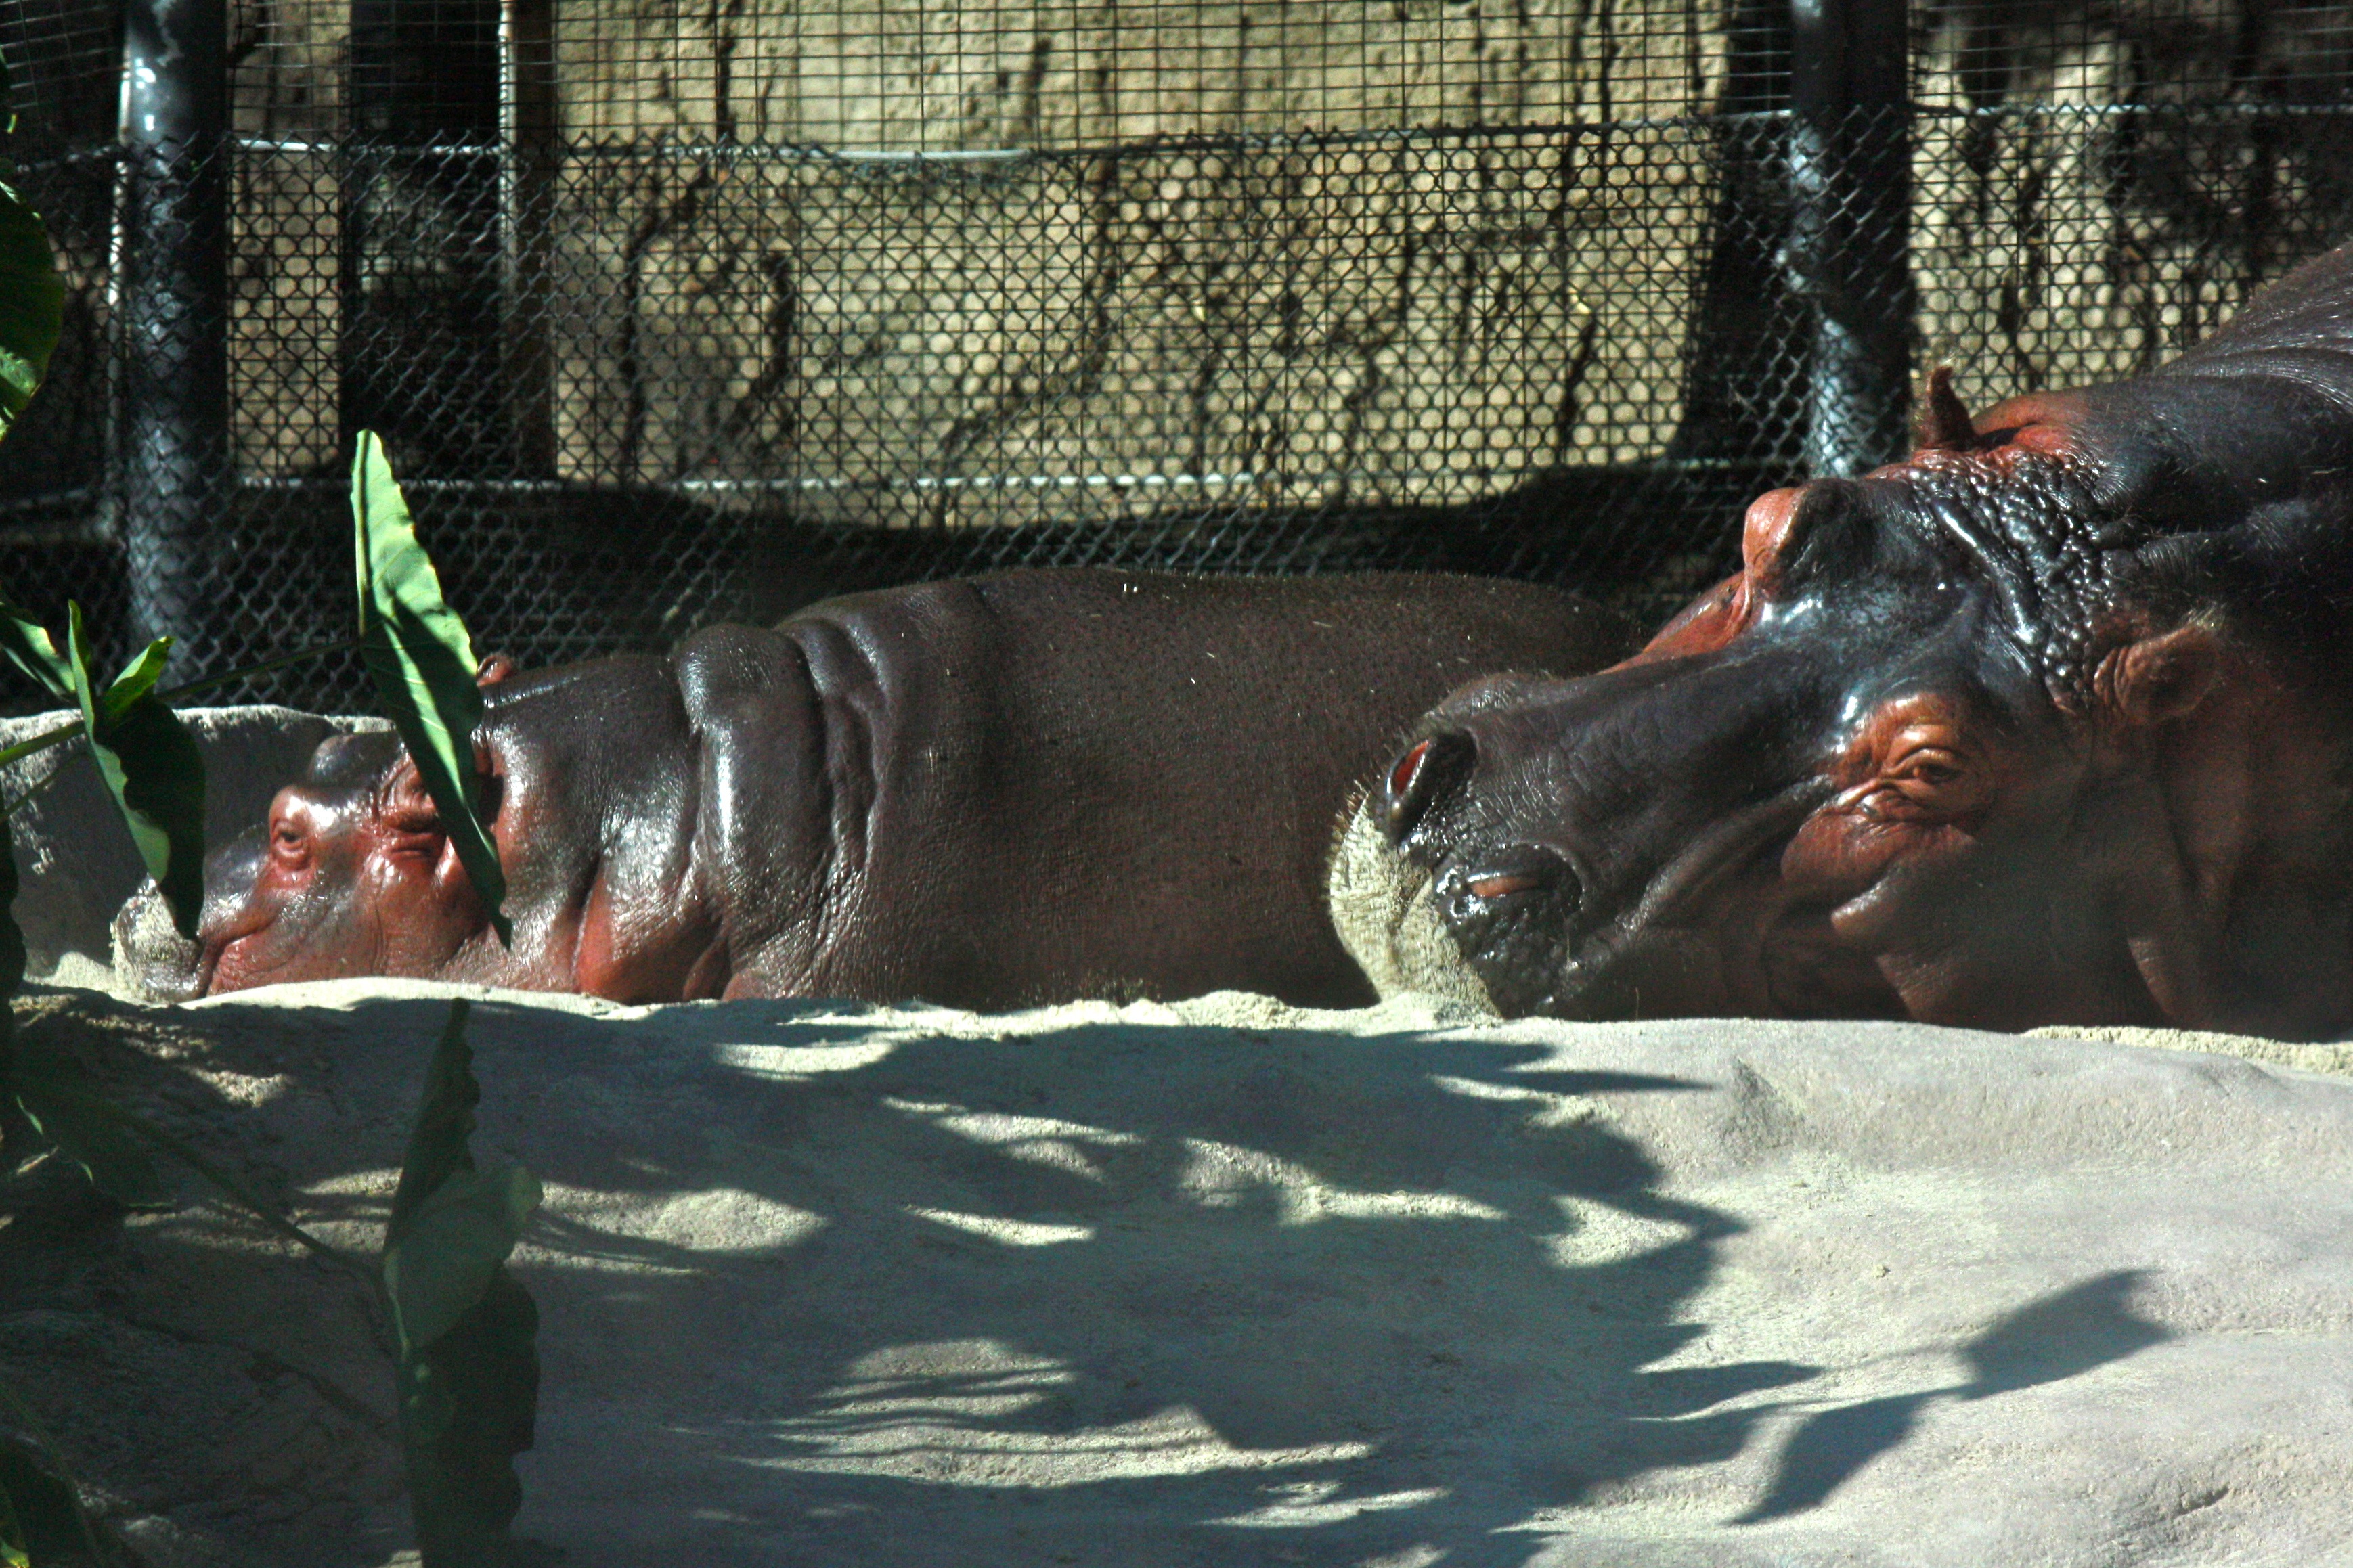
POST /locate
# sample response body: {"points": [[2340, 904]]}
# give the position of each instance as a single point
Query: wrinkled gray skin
{"points": [[2051, 723], [989, 792]]}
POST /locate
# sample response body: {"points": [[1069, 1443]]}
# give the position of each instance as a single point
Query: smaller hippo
{"points": [[985, 793]]}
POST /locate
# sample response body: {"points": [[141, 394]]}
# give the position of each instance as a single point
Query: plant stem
{"points": [[235, 1189], [264, 668], [58, 737], [39, 744], [31, 791]]}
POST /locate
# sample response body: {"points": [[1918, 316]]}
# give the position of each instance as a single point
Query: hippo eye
{"points": [[1928, 780]]}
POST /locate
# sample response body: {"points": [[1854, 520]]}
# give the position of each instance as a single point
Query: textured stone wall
{"points": [[1067, 332]]}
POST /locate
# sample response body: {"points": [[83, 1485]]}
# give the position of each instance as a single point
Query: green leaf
{"points": [[454, 1243], [154, 769], [26, 643], [468, 1375], [32, 295], [445, 1120], [417, 653], [71, 1110], [137, 679]]}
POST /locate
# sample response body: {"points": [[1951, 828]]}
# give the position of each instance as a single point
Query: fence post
{"points": [[172, 278], [421, 290], [1850, 198], [529, 129]]}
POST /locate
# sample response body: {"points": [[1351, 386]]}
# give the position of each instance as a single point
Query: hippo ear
{"points": [[1944, 425], [2160, 678], [498, 666], [1777, 524]]}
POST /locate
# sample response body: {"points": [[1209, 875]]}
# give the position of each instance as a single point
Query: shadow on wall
{"points": [[834, 1289]]}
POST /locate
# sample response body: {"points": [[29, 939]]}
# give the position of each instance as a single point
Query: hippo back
{"points": [[1113, 783]]}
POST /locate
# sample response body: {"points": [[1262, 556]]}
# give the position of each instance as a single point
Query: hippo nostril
{"points": [[1515, 873], [1429, 768]]}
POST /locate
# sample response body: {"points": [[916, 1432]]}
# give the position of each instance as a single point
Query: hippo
{"points": [[985, 793], [2050, 723]]}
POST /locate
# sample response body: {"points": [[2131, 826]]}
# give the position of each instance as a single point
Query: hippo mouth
{"points": [[152, 959], [1711, 932]]}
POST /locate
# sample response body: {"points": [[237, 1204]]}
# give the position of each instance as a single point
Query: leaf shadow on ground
{"points": [[826, 1286], [1260, 1294], [2056, 1337]]}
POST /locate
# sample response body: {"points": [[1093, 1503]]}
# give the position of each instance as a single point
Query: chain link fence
{"points": [[678, 313]]}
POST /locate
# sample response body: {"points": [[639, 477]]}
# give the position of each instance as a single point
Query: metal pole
{"points": [[174, 304], [1850, 198], [528, 128]]}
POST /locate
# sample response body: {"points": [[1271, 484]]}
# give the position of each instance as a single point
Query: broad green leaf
{"points": [[469, 1375], [155, 773], [417, 653], [452, 1226], [32, 295], [454, 1243], [26, 643], [71, 1110], [137, 679]]}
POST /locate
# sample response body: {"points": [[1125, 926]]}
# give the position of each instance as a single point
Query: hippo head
{"points": [[1966, 741], [586, 777], [351, 873]]}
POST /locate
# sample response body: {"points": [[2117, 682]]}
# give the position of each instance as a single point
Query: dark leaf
{"points": [[37, 1494], [445, 1119], [71, 1111], [152, 767], [468, 1403], [422, 662], [32, 296], [469, 1373], [36, 1512], [15, 1548], [11, 936]]}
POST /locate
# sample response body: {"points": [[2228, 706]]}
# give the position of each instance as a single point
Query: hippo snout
{"points": [[152, 959]]}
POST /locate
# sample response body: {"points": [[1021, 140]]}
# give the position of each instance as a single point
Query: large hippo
{"points": [[985, 793], [2051, 723]]}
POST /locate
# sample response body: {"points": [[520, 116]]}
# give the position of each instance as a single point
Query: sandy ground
{"points": [[1227, 1283]]}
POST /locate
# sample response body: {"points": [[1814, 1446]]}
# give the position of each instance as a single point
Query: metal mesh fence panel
{"points": [[678, 314]]}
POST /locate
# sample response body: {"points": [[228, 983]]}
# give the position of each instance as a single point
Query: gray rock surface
{"points": [[75, 861], [1225, 1283]]}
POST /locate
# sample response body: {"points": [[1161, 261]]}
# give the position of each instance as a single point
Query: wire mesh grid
{"points": [[672, 314]]}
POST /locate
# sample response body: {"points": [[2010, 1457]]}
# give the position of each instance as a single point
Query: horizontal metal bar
{"points": [[788, 153], [421, 149], [928, 483]]}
